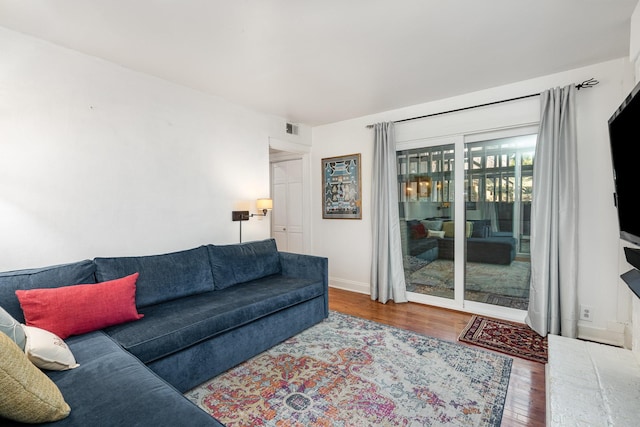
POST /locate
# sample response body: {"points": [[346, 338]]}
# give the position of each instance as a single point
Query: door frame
{"points": [[292, 151]]}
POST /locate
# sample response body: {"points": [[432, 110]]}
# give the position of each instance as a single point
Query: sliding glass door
{"points": [[465, 205]]}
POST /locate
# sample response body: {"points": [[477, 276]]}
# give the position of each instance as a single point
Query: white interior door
{"points": [[287, 193]]}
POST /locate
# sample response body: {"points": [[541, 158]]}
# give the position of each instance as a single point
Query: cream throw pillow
{"points": [[434, 233], [28, 395], [46, 350]]}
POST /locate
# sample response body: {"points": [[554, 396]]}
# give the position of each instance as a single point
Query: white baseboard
{"points": [[350, 285]]}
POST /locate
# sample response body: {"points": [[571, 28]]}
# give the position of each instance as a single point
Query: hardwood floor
{"points": [[525, 403]]}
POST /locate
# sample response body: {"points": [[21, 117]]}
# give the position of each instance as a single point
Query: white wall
{"points": [[348, 243], [99, 160]]}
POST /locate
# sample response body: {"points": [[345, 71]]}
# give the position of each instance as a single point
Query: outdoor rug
{"points": [[347, 371], [509, 280], [514, 339]]}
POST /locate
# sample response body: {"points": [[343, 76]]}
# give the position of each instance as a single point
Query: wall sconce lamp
{"points": [[263, 205]]}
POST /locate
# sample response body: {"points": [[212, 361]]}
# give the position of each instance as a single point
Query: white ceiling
{"points": [[322, 61]]}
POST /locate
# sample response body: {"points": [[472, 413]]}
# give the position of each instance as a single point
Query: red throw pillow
{"points": [[75, 310], [418, 231]]}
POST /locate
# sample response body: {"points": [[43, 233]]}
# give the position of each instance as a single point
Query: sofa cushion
{"points": [[77, 309], [239, 263], [492, 250], [162, 277], [419, 246], [28, 395], [45, 277], [113, 388], [174, 325]]}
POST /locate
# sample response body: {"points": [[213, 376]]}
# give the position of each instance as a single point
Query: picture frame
{"points": [[342, 187]]}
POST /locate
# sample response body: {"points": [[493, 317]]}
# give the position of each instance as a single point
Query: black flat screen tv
{"points": [[624, 139]]}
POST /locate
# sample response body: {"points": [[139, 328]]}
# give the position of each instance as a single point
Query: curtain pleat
{"points": [[387, 273], [554, 218]]}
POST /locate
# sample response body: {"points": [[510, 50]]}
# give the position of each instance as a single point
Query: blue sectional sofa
{"points": [[205, 310], [482, 244]]}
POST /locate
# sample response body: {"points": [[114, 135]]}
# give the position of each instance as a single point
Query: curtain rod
{"points": [[585, 84]]}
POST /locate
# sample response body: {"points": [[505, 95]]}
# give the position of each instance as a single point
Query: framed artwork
{"points": [[341, 187]]}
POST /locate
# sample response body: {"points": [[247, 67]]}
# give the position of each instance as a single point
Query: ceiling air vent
{"points": [[292, 129]]}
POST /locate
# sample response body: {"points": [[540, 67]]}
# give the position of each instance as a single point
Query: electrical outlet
{"points": [[586, 313]]}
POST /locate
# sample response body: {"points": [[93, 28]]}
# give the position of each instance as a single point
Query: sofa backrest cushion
{"points": [[162, 277], [242, 262], [432, 224], [481, 228], [46, 277]]}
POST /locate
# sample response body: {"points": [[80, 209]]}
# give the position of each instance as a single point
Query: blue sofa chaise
{"points": [[205, 310]]}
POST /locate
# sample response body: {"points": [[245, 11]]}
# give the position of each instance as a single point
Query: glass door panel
{"points": [[498, 187], [426, 204]]}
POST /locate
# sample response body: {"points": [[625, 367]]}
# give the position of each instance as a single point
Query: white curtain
{"points": [[554, 218], [387, 273], [489, 210]]}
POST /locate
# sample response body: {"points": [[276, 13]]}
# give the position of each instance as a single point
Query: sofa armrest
{"points": [[307, 267]]}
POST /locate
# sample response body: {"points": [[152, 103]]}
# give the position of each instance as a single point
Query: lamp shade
{"points": [[262, 204]]}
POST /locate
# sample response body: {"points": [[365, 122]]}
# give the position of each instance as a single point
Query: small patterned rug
{"points": [[348, 371], [514, 339]]}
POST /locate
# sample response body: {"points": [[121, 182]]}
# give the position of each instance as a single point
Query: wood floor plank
{"points": [[525, 402]]}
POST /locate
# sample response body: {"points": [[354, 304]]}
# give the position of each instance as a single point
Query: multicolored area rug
{"points": [[348, 371], [514, 339]]}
